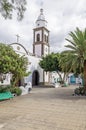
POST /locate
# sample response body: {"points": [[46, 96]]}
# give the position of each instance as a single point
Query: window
{"points": [[45, 38], [38, 37]]}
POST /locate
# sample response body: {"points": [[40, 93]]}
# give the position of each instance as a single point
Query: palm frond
{"points": [[74, 38], [71, 47], [85, 34], [70, 42]]}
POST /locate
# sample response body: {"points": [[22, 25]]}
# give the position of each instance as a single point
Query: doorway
{"points": [[72, 79], [35, 78]]}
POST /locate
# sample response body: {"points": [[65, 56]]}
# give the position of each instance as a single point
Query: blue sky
{"points": [[62, 16]]}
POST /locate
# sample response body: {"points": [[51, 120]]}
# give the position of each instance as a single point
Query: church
{"points": [[41, 48]]}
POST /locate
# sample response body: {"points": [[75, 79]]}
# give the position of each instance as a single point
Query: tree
{"points": [[11, 62], [8, 6], [65, 64], [51, 63], [76, 53]]}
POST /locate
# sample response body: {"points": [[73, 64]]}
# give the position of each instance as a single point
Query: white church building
{"points": [[40, 48]]}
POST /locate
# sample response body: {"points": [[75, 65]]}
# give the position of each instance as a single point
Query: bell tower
{"points": [[41, 36]]}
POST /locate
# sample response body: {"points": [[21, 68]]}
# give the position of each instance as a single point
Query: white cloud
{"points": [[63, 16]]}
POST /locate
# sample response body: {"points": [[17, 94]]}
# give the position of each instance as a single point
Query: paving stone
{"points": [[44, 109]]}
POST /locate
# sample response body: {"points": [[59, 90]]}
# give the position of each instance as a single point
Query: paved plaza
{"points": [[44, 109]]}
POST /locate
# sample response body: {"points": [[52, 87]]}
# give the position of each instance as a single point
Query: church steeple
{"points": [[41, 22], [41, 36]]}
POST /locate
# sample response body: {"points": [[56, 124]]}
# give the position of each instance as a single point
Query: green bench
{"points": [[5, 95]]}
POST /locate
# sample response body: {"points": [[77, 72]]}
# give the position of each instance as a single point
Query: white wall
{"points": [[46, 51], [41, 24], [34, 62], [19, 49], [38, 50], [7, 80], [34, 66], [46, 77]]}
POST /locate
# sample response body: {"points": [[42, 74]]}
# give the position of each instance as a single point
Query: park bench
{"points": [[5, 95]]}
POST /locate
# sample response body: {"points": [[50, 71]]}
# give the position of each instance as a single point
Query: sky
{"points": [[62, 16]]}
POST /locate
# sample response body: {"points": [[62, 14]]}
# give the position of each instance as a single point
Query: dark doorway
{"points": [[35, 78]]}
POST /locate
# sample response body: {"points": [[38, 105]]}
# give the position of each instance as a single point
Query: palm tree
{"points": [[75, 55]]}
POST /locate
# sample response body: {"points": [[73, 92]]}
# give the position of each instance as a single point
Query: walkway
{"points": [[44, 109]]}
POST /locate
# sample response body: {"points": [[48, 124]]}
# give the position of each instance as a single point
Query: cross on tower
{"points": [[17, 38]]}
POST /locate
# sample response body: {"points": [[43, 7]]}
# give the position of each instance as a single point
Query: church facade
{"points": [[40, 48]]}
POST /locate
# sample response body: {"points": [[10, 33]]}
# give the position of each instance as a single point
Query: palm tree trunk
{"points": [[85, 74]]}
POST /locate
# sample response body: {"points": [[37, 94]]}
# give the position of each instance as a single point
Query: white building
{"points": [[40, 48]]}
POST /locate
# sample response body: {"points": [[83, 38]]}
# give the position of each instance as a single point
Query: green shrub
{"points": [[4, 89], [80, 91], [16, 90], [77, 91], [10, 88]]}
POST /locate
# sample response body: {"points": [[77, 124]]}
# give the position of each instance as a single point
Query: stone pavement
{"points": [[44, 109]]}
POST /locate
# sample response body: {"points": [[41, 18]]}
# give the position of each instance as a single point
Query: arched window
{"points": [[38, 37], [45, 38]]}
